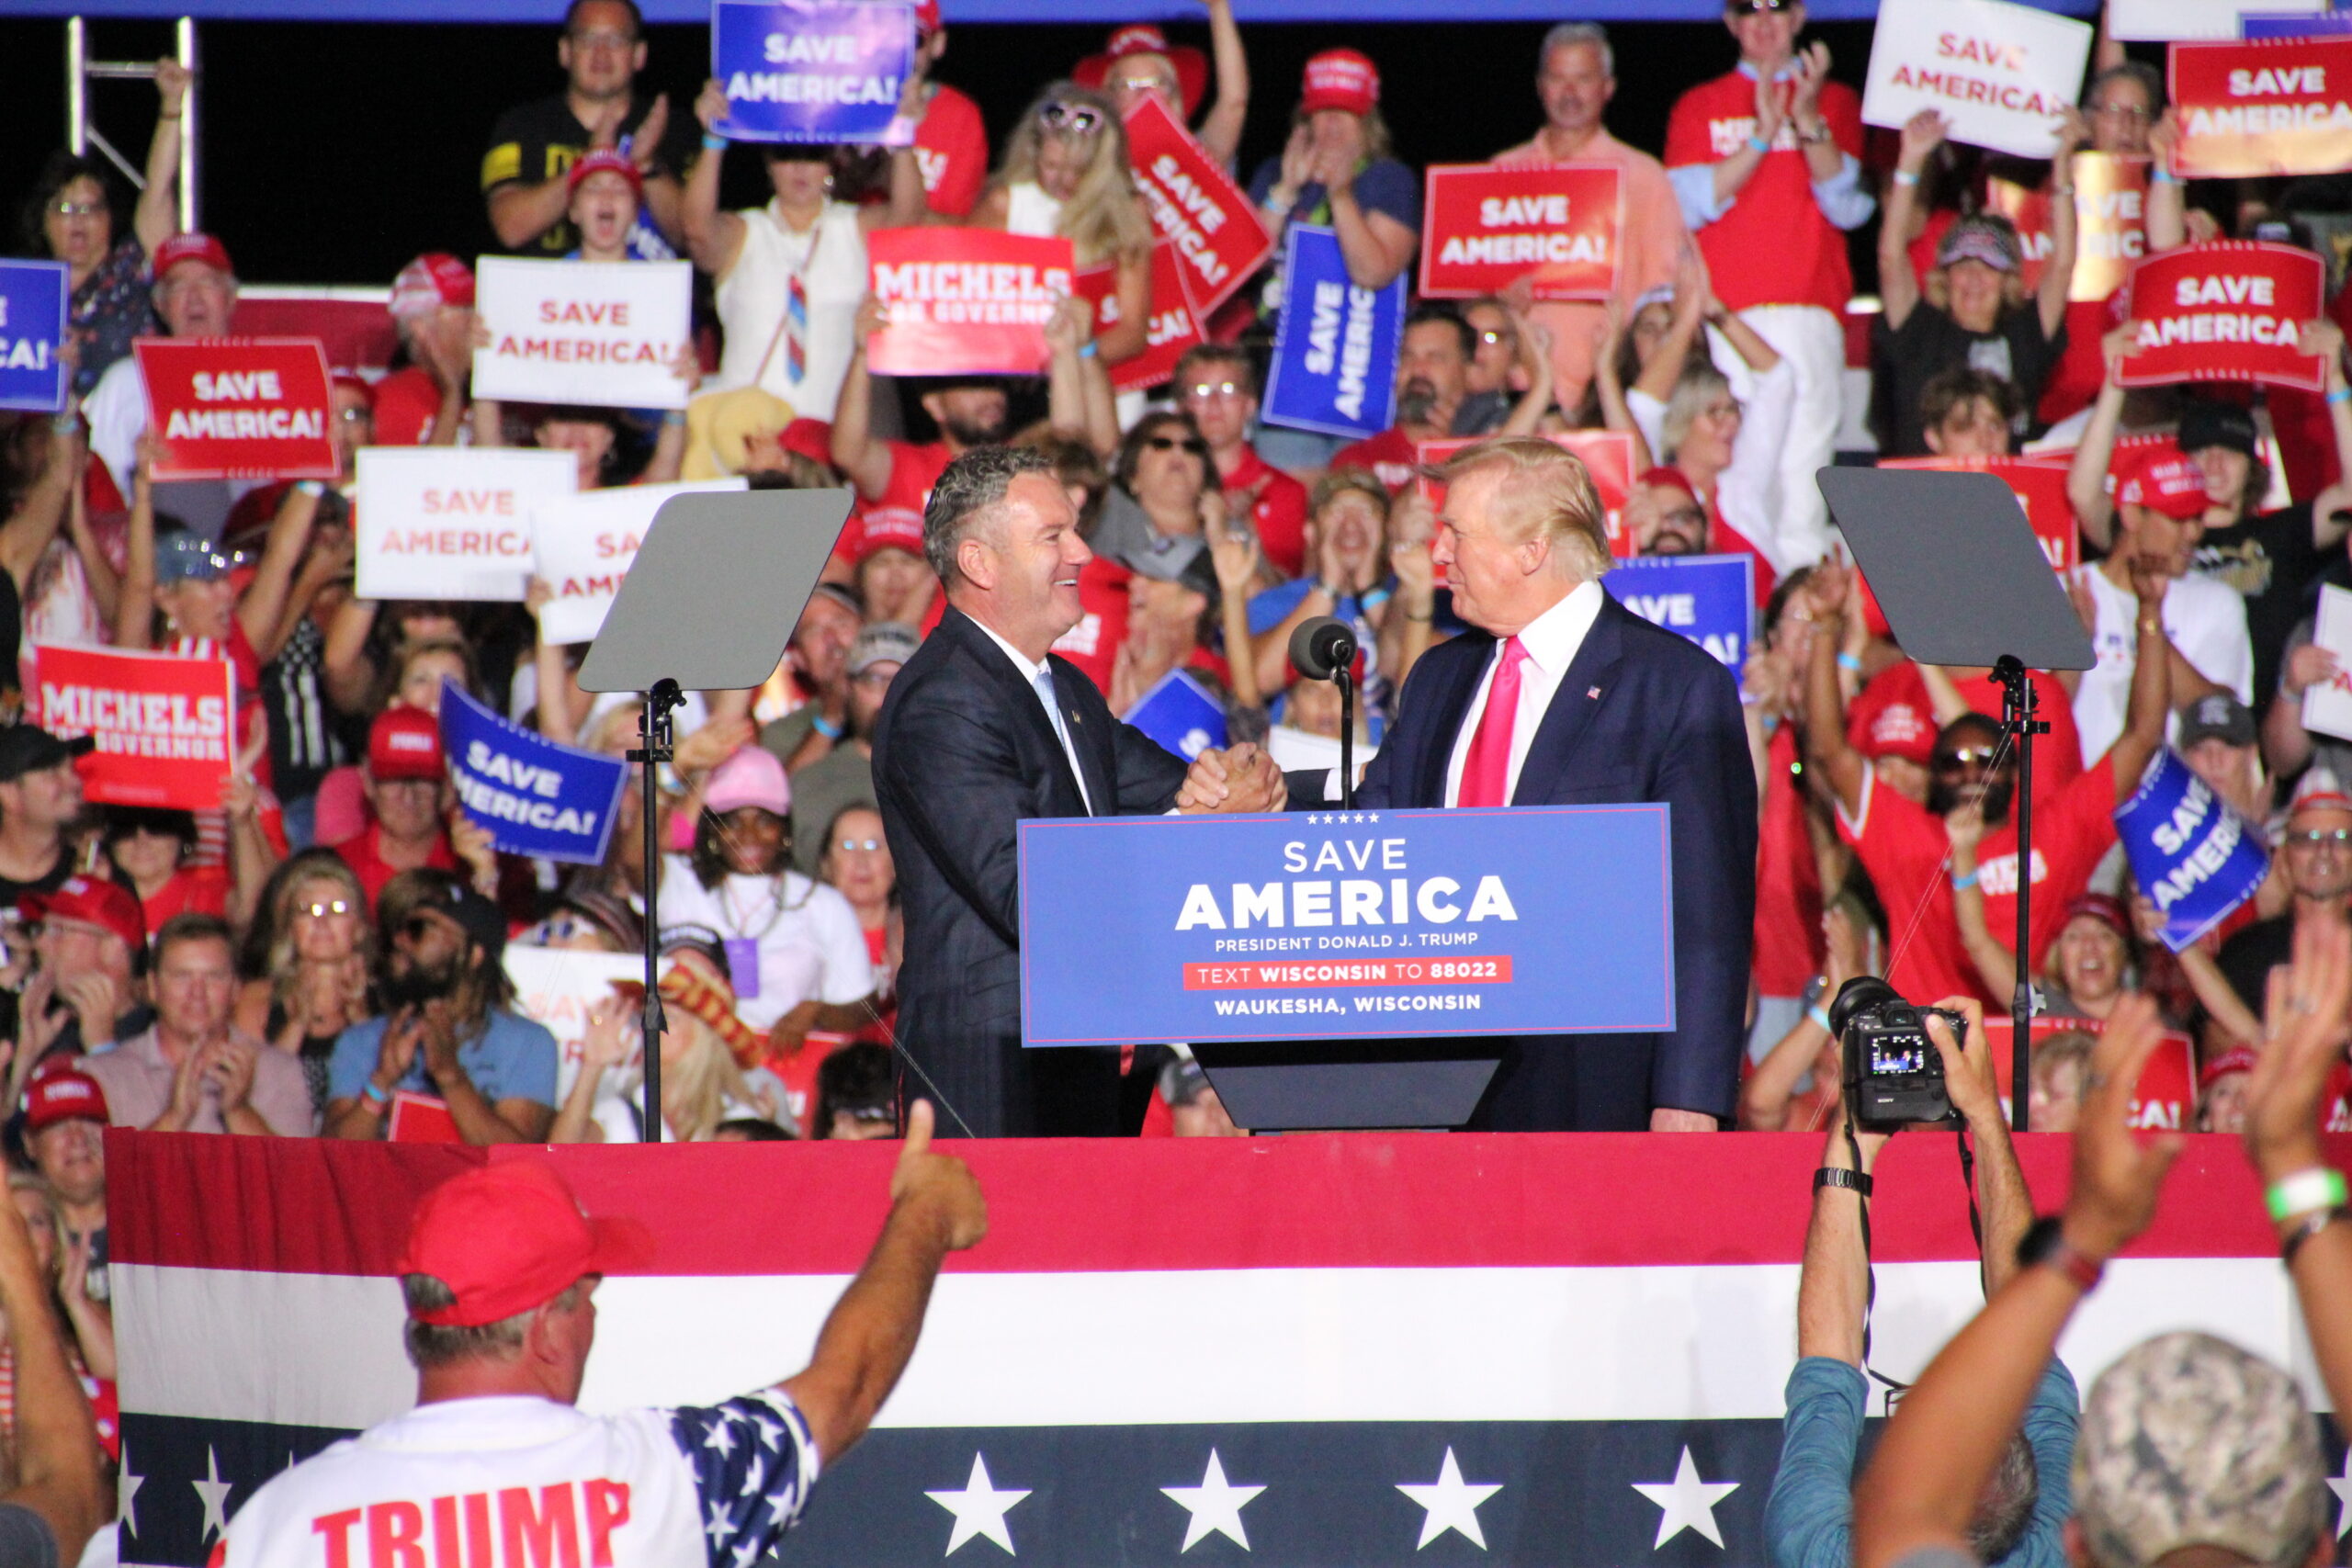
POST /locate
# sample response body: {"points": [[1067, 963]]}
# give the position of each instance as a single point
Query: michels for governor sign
{"points": [[2250, 110], [238, 408], [1334, 368], [159, 725], [602, 332], [2003, 76], [811, 69], [964, 301], [452, 523], [536, 796]]}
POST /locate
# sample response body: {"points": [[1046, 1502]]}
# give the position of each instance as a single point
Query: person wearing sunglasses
{"points": [[1163, 479], [311, 957], [1138, 62], [1217, 385], [75, 215], [2315, 853], [150, 847]]}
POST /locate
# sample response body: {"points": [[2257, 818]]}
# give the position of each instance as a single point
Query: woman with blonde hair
{"points": [[704, 1048], [309, 956], [1065, 172]]}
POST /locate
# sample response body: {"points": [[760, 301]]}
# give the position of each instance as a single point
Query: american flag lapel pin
{"points": [[1592, 691]]}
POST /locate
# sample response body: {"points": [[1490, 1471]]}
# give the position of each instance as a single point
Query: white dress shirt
{"points": [[1031, 670], [1551, 640]]}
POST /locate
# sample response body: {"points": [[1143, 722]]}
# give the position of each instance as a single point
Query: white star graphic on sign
{"points": [[1216, 1506], [2339, 1484], [979, 1508], [126, 1487], [215, 1493], [1686, 1503], [1452, 1503]]}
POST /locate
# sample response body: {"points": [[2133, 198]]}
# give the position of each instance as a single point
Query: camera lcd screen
{"points": [[1894, 1054]]}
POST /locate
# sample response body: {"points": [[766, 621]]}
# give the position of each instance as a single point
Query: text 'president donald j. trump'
{"points": [[1560, 697]]}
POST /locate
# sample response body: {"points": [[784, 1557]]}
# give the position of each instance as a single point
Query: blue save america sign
{"points": [[536, 796], [811, 69], [1346, 925], [32, 324], [1334, 368], [2193, 855], [1709, 599]]}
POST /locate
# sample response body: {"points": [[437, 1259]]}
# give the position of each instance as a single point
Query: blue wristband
{"points": [[1087, 350], [2163, 177], [713, 143], [1820, 1016], [1759, 142], [368, 1090], [1962, 883], [2342, 395], [1849, 661], [826, 728]]}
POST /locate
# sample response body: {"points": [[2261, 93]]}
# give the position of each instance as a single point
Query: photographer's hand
{"points": [[2003, 1203]]}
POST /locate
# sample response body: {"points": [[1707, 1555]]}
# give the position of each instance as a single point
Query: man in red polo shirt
{"points": [[1906, 845], [409, 796], [1766, 161], [1216, 384]]}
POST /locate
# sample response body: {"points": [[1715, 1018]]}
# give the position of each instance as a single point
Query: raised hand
{"points": [[939, 1184], [645, 141], [2117, 1178], [1922, 134], [2290, 1076]]}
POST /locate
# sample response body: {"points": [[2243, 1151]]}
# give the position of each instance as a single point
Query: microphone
{"points": [[1323, 647]]}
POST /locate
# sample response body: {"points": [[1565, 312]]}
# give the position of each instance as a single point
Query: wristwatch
{"points": [[2045, 1242]]}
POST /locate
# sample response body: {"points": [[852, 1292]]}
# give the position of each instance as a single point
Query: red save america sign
{"points": [[964, 301], [1194, 205], [1175, 325], [1608, 456], [1484, 228], [2039, 486], [230, 408], [2282, 106], [2233, 310], [161, 724], [2164, 1097]]}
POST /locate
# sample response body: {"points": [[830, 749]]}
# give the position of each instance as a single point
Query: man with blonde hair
{"points": [[1560, 697]]}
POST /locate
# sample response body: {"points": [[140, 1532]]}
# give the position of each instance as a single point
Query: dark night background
{"points": [[334, 152]]}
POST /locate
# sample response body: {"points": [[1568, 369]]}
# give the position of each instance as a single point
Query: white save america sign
{"points": [[587, 543], [452, 522], [2002, 75], [600, 332]]}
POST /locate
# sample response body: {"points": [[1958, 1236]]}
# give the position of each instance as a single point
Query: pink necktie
{"points": [[1485, 772]]}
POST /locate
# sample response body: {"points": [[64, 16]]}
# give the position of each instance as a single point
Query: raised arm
{"points": [[1945, 1437], [2003, 1201], [1535, 358], [1221, 131], [2086, 473], [2149, 703], [1833, 1283], [1994, 962], [42, 507], [1898, 290], [2058, 275], [2332, 511], [1663, 368], [863, 460], [263, 607], [935, 1209], [2167, 204], [713, 236], [134, 619], [60, 1472], [157, 216], [1826, 747]]}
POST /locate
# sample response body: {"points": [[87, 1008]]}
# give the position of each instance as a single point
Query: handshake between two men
{"points": [[1232, 780]]}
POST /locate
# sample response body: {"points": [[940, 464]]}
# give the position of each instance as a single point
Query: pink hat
{"points": [[1341, 79], [605, 161], [191, 247], [507, 1237], [753, 776], [432, 280], [2164, 477]]}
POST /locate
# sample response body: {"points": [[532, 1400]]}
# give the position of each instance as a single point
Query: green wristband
{"points": [[2306, 1191]]}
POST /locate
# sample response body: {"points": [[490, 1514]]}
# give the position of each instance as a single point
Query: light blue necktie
{"points": [[1043, 682]]}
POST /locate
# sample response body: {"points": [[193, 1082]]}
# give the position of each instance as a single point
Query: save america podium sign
{"points": [[1347, 925]]}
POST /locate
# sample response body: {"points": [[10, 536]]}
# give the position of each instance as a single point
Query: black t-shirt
{"points": [[1930, 342], [2270, 559], [540, 142], [2247, 958], [11, 889]]}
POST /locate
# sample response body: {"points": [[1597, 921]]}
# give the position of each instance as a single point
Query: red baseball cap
{"points": [[1341, 79], [94, 901], [352, 380], [887, 528], [602, 162], [812, 438], [62, 1094], [507, 1237], [1673, 479], [432, 280], [2104, 907], [2238, 1061], [1895, 729], [404, 743], [2164, 477], [926, 17], [191, 247], [1142, 38]]}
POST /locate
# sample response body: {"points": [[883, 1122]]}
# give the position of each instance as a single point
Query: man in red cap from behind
{"points": [[500, 1273]]}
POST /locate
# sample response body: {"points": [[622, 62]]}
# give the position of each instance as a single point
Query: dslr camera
{"points": [[1894, 1075]]}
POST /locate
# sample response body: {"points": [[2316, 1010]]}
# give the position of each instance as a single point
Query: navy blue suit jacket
{"points": [[1665, 726]]}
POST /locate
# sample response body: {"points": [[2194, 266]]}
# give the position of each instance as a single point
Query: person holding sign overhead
{"points": [[1138, 62], [788, 277]]}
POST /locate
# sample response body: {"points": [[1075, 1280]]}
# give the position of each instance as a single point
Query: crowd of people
{"points": [[322, 953]]}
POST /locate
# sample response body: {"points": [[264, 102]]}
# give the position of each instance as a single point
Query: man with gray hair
{"points": [[1560, 696], [983, 728], [1575, 76]]}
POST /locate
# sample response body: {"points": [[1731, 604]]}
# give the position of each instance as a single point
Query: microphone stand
{"points": [[2020, 716], [1344, 678], [653, 730]]}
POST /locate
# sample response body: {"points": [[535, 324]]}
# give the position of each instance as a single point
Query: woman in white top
{"points": [[794, 949], [1065, 172], [802, 241]]}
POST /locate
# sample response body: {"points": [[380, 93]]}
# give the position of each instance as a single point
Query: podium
{"points": [[1347, 969]]}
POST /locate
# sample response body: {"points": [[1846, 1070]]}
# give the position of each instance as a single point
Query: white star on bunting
{"points": [[1686, 1503], [979, 1508], [126, 1488], [2339, 1484], [1215, 1505], [215, 1494], [1451, 1504]]}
